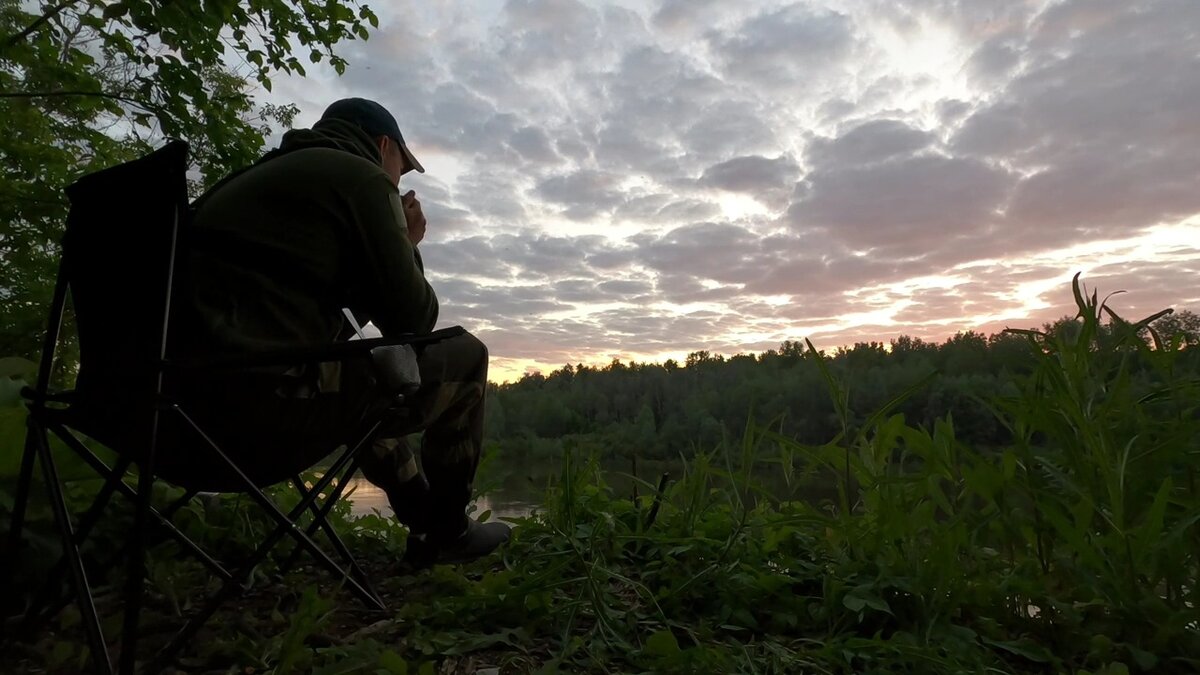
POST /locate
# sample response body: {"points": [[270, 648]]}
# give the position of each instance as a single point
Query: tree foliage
{"points": [[86, 84], [664, 411]]}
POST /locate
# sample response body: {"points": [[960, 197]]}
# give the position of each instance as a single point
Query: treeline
{"points": [[663, 410]]}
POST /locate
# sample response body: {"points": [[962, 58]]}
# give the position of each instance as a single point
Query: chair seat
{"points": [[184, 460]]}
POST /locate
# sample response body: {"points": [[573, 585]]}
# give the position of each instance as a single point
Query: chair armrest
{"points": [[338, 351]]}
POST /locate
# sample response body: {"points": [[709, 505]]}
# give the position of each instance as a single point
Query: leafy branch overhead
{"points": [[164, 59], [86, 84]]}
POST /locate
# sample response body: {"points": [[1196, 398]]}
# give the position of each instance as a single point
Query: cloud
{"points": [[724, 128], [716, 251], [612, 180], [542, 34], [785, 48], [586, 193], [870, 142], [533, 144], [682, 15], [904, 207], [466, 257], [1100, 118], [995, 59], [753, 174]]}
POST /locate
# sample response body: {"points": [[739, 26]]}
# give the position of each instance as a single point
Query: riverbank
{"points": [[699, 579]]}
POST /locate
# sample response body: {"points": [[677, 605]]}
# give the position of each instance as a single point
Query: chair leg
{"points": [[161, 518], [285, 526], [321, 521], [24, 481], [83, 592], [320, 513], [16, 523], [44, 605], [136, 568]]}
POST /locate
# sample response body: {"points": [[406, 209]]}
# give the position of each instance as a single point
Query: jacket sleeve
{"points": [[390, 289]]}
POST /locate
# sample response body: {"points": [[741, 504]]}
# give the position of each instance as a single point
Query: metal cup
{"points": [[396, 366]]}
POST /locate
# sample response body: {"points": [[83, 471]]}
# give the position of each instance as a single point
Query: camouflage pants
{"points": [[448, 409], [273, 437]]}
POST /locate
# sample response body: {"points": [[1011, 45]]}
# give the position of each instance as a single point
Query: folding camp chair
{"points": [[125, 239]]}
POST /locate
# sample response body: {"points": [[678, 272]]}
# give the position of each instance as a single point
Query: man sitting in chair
{"points": [[278, 251]]}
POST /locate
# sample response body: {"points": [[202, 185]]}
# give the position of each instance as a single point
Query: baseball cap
{"points": [[374, 119]]}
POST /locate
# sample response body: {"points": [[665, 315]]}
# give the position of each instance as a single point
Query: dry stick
{"points": [[633, 458], [662, 485]]}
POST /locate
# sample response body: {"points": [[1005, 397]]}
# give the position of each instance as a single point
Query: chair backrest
{"points": [[118, 260]]}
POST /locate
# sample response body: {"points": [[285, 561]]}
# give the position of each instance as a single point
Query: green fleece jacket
{"points": [[279, 248]]}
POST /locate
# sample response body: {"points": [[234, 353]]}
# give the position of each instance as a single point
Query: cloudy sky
{"points": [[645, 179]]}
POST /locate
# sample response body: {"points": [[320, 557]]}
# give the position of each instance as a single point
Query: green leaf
{"points": [[662, 643], [1146, 661], [60, 653], [17, 367], [1009, 460], [115, 10], [861, 597], [12, 440], [392, 663], [1025, 648], [1151, 528]]}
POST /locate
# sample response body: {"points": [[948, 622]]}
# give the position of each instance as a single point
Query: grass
{"points": [[1074, 550]]}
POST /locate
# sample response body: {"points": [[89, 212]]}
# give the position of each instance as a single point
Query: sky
{"points": [[641, 180]]}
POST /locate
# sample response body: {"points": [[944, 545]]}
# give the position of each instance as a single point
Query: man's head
{"points": [[380, 125]]}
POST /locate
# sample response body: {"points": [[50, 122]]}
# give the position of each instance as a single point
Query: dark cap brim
{"points": [[412, 160]]}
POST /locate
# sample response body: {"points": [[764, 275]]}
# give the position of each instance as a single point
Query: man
{"points": [[278, 250]]}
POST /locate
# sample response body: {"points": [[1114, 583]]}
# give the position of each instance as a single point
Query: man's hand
{"points": [[413, 216]]}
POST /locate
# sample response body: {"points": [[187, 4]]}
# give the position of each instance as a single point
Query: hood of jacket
{"points": [[333, 133]]}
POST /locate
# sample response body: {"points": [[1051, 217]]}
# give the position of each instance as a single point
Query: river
{"points": [[517, 490], [503, 503]]}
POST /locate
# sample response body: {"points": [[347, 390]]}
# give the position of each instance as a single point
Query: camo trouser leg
{"points": [[448, 408]]}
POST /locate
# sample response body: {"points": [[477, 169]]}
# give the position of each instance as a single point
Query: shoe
{"points": [[477, 541]]}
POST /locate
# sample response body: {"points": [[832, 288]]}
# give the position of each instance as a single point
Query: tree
{"points": [[792, 350], [966, 352], [1185, 325], [494, 420], [907, 347], [1065, 328], [1010, 353], [862, 355], [87, 84]]}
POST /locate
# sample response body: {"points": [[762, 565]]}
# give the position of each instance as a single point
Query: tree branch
{"points": [[54, 11], [157, 110], [53, 94]]}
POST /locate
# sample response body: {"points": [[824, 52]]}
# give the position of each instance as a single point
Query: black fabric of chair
{"points": [[125, 231]]}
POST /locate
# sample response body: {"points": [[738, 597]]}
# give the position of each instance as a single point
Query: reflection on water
{"points": [[368, 498], [520, 487]]}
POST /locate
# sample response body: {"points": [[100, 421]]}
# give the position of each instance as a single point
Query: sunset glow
{"points": [[644, 180]]}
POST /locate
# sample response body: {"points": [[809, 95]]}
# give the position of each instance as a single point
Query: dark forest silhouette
{"points": [[671, 409]]}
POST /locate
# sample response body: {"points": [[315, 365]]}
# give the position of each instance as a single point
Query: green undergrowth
{"points": [[1073, 550]]}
